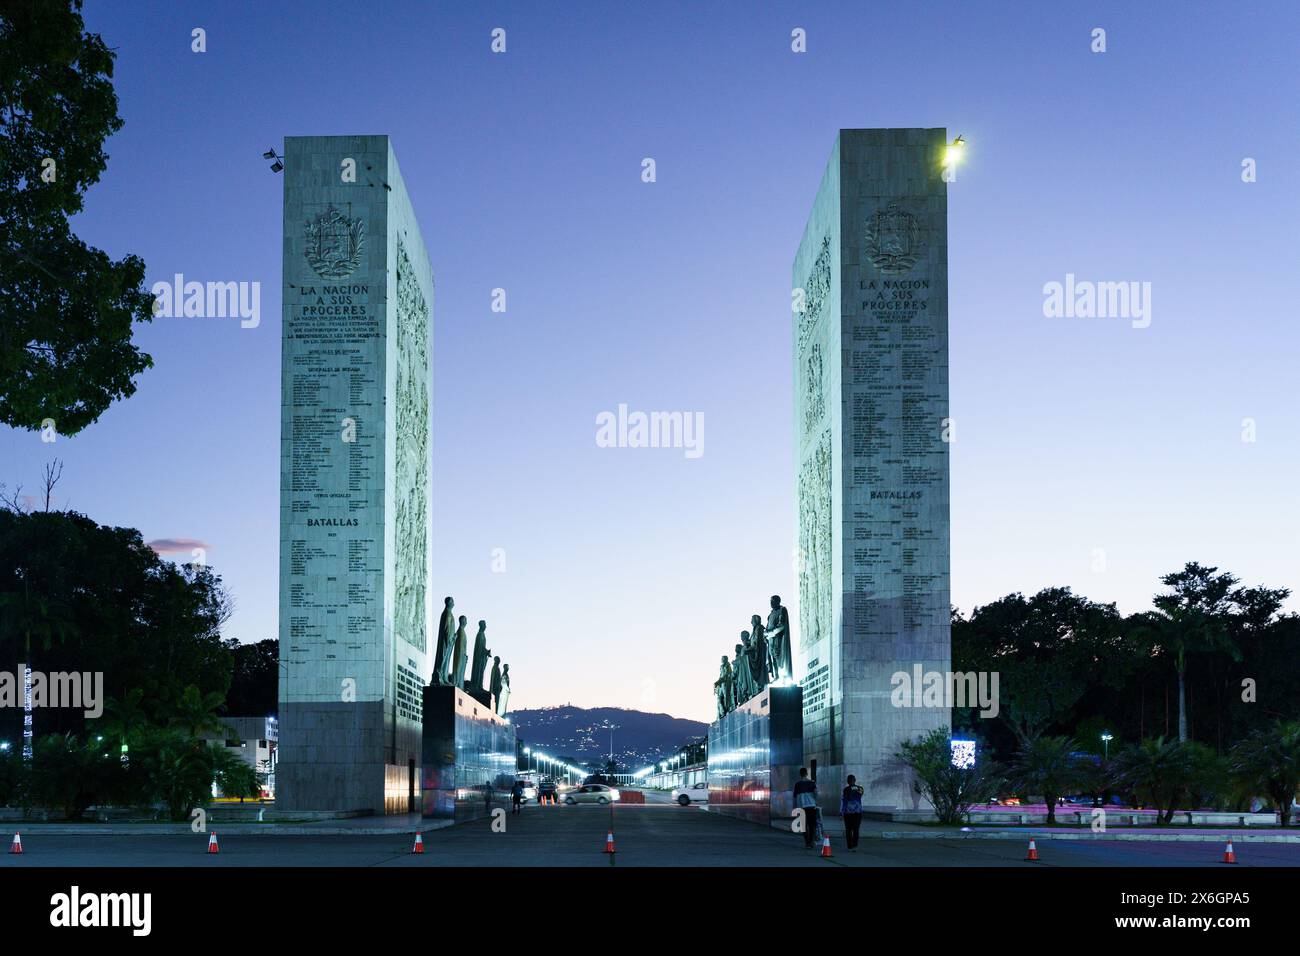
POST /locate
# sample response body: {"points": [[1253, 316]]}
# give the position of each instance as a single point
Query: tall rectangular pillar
{"points": [[871, 455], [355, 614]]}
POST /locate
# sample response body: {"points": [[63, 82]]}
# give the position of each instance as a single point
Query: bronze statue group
{"points": [[762, 657], [451, 658]]}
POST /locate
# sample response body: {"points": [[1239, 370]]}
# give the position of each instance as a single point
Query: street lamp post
{"points": [[1106, 738], [612, 728]]}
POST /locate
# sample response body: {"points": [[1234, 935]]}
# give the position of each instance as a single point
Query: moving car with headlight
{"points": [[592, 793]]}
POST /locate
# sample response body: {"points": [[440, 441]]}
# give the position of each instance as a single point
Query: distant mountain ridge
{"points": [[582, 732]]}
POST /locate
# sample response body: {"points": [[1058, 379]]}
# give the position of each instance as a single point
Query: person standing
{"points": [[517, 796], [851, 811], [805, 799]]}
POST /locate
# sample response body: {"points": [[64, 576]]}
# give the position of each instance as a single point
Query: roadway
{"points": [[655, 834]]}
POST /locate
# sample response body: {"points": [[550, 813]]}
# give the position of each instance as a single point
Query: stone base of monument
{"points": [[483, 697], [754, 756], [334, 760], [468, 757]]}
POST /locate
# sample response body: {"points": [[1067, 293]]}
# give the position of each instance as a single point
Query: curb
{"points": [[1174, 836], [232, 829], [1110, 835]]}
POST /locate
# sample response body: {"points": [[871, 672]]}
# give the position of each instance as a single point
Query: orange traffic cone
{"points": [[212, 843], [609, 842], [1033, 852], [826, 846], [1228, 855], [17, 845], [419, 843]]}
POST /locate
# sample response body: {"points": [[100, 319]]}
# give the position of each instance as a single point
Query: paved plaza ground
{"points": [[655, 834]]}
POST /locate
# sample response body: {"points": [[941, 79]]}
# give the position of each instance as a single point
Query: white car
{"points": [[530, 790], [592, 793], [696, 793]]}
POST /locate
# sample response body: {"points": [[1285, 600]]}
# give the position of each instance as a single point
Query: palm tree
{"points": [[1191, 620], [1167, 774], [1269, 762], [195, 712], [124, 721], [233, 775], [1184, 632], [1046, 765]]}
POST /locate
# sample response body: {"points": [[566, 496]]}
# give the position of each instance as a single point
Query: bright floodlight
{"points": [[953, 154]]}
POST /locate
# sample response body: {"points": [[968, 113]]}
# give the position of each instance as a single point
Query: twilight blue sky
{"points": [[629, 571]]}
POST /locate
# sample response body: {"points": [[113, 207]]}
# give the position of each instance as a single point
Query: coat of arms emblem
{"points": [[334, 244], [895, 240]]}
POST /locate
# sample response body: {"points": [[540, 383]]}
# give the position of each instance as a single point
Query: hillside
{"points": [[582, 732]]}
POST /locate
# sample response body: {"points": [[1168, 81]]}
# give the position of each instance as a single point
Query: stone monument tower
{"points": [[355, 618], [870, 336]]}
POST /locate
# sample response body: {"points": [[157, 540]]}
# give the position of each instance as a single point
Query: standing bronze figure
{"points": [[722, 688], [446, 645], [758, 662], [778, 640]]}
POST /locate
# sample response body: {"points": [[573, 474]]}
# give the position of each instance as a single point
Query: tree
{"points": [[124, 720], [70, 774], [254, 678], [196, 713], [951, 790], [66, 309], [1048, 651], [1266, 649], [122, 725], [1192, 619], [12, 777], [179, 770], [1269, 761], [35, 603], [1167, 774], [1047, 765], [111, 605], [234, 776]]}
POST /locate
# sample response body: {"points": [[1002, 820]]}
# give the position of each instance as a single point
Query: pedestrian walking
{"points": [[805, 799], [851, 811]]}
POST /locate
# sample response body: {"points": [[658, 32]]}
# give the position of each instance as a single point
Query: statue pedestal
{"points": [[468, 756], [483, 697], [754, 756]]}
